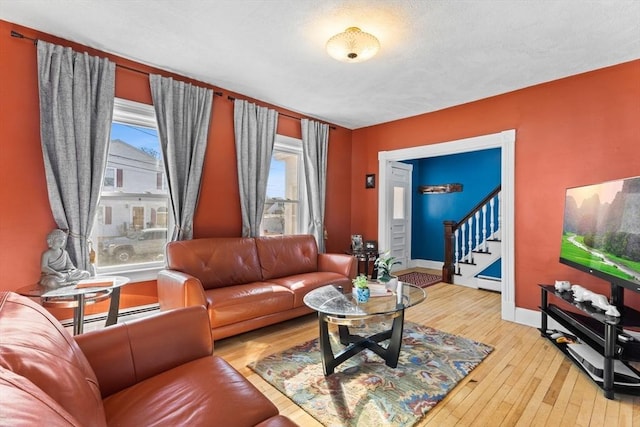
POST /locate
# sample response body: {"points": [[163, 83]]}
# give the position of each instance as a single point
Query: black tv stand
{"points": [[603, 334]]}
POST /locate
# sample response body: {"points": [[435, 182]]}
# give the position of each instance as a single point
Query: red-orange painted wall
{"points": [[574, 131], [591, 119], [26, 219]]}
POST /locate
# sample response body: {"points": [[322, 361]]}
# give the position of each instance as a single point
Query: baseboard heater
{"points": [[122, 314]]}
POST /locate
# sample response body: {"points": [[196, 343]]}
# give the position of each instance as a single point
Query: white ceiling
{"points": [[434, 53]]}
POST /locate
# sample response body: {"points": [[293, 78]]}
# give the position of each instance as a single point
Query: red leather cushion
{"points": [[24, 404], [243, 302], [287, 255], [35, 346], [205, 392], [216, 261]]}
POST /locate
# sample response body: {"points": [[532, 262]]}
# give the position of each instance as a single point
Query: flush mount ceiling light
{"points": [[353, 45]]}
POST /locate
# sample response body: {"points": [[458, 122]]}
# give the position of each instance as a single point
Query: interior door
{"points": [[399, 211]]}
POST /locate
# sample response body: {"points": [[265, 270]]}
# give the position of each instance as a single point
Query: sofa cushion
{"points": [[216, 261], [34, 345], [302, 284], [203, 392], [29, 406], [242, 302], [287, 255]]}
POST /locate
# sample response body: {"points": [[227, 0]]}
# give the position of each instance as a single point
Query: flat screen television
{"points": [[601, 232]]}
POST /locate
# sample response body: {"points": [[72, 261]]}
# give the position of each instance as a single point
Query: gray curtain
{"points": [[76, 107], [255, 132], [315, 142], [183, 112]]}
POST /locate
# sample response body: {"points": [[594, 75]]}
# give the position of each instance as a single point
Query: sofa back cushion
{"points": [[287, 255], [216, 261], [35, 346]]}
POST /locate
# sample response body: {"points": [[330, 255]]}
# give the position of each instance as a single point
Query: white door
{"points": [[399, 212]]}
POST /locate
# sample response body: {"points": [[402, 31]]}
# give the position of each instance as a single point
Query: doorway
{"points": [[506, 142]]}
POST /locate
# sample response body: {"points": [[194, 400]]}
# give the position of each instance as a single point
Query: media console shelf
{"points": [[606, 347]]}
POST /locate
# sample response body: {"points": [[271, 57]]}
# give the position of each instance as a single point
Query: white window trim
{"points": [[136, 113], [294, 145]]}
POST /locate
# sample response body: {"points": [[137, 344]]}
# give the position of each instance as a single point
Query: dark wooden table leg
{"points": [[328, 361], [393, 350], [114, 307]]}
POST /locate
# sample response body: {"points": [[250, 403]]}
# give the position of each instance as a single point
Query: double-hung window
{"points": [[130, 231], [285, 203]]}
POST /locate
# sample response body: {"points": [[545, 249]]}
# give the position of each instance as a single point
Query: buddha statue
{"points": [[56, 266]]}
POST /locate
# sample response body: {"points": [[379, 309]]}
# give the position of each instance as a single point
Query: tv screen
{"points": [[601, 231]]}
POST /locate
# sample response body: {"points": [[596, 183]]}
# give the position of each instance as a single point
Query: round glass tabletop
{"points": [[330, 300]]}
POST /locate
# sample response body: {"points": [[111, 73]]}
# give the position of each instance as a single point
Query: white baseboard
{"points": [[425, 263]]}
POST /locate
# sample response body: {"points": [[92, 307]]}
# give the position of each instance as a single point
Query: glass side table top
{"points": [[73, 289], [329, 300]]}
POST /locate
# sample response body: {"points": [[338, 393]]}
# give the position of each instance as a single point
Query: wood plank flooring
{"points": [[525, 381]]}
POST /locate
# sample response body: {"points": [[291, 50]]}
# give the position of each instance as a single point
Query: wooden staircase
{"points": [[473, 244]]}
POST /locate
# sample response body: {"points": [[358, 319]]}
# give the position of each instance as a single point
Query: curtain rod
{"points": [[35, 42], [231, 98]]}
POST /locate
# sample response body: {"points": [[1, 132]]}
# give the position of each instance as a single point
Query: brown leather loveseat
{"points": [[156, 371], [247, 283]]}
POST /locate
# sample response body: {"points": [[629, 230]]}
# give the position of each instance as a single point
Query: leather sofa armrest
{"points": [[127, 353], [177, 290], [346, 265]]}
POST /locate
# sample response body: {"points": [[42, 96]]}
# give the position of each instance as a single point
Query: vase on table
{"points": [[390, 282], [362, 294]]}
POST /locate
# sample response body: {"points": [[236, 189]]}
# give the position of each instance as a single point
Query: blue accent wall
{"points": [[494, 270], [479, 174]]}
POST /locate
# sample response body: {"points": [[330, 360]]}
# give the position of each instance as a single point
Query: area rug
{"points": [[420, 279], [363, 391]]}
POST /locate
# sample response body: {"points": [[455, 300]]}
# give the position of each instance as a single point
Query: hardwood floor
{"points": [[525, 381]]}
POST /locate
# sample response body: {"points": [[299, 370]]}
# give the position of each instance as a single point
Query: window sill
{"points": [[134, 273]]}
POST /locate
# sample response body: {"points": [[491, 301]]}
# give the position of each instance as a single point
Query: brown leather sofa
{"points": [[248, 283], [156, 371]]}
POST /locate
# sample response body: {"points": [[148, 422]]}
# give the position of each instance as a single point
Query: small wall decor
{"points": [[356, 242], [440, 189], [370, 181]]}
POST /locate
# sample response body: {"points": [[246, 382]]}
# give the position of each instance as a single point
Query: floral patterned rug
{"points": [[364, 391]]}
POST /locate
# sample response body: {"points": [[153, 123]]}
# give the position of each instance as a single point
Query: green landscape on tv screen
{"points": [[601, 228]]}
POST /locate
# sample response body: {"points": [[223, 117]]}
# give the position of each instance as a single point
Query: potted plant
{"points": [[362, 288], [383, 264]]}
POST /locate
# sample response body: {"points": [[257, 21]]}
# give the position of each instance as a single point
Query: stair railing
{"points": [[461, 239]]}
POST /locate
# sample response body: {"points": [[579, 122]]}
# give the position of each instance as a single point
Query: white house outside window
{"points": [[130, 231], [284, 204]]}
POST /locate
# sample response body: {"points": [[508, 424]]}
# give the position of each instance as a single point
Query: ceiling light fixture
{"points": [[353, 45]]}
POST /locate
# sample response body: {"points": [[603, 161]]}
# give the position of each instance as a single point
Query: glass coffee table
{"points": [[341, 309]]}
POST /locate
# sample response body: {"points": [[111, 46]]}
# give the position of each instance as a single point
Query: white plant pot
{"points": [[392, 284]]}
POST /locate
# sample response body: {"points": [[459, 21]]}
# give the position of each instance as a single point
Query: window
{"points": [[283, 210], [131, 229]]}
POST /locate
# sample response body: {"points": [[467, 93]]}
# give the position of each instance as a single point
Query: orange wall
{"points": [[26, 218], [573, 131]]}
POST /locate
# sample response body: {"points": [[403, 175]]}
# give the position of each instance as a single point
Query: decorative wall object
{"points": [[370, 181], [440, 189]]}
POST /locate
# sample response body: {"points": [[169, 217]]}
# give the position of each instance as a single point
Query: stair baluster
{"points": [[484, 228], [470, 249], [459, 246]]}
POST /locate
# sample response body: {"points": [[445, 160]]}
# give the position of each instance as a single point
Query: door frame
{"points": [[504, 140]]}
